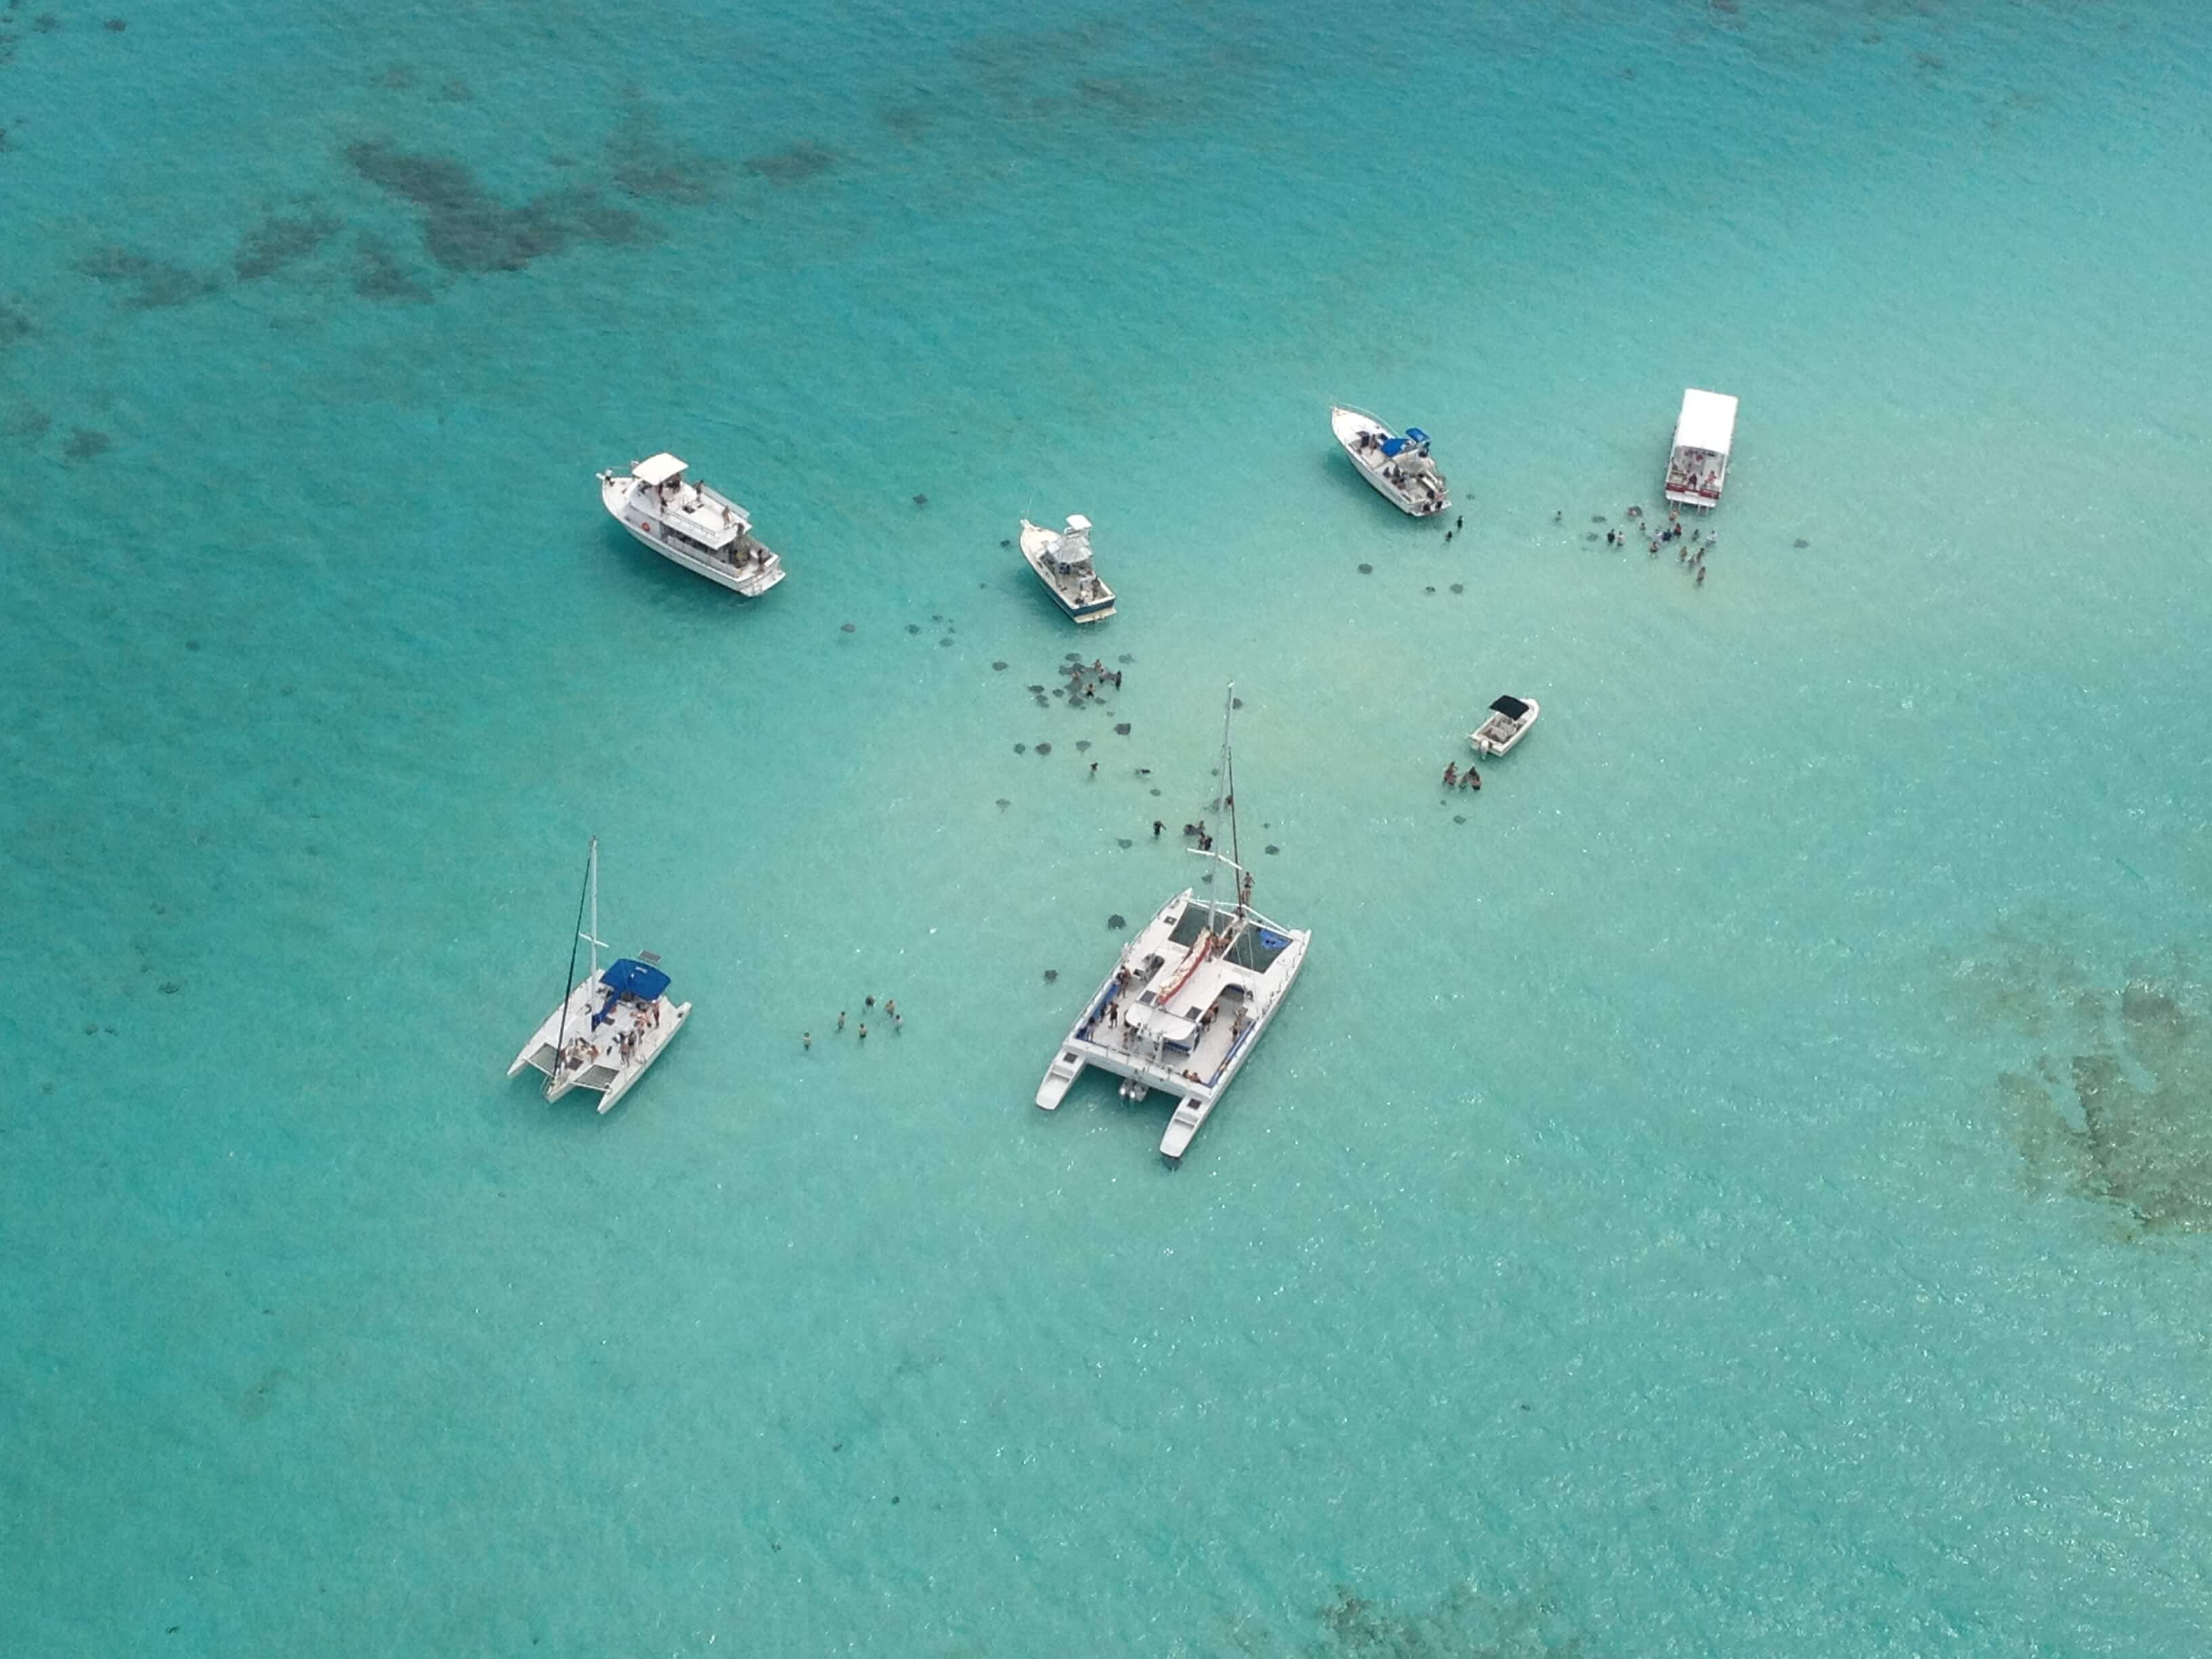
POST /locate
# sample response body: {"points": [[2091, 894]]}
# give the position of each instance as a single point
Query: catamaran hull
{"points": [[1193, 1108], [751, 580]]}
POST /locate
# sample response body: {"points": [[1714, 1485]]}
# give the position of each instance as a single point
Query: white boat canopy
{"points": [[662, 468], [1698, 466], [1708, 421]]}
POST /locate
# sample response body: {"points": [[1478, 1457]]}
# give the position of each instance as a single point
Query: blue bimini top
{"points": [[641, 980]]}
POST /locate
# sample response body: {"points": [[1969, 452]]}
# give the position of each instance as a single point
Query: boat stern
{"points": [[769, 571], [1060, 1077], [1190, 1113]]}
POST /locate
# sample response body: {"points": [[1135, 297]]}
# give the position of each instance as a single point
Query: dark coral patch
{"points": [[279, 241], [157, 282], [643, 165], [86, 445], [466, 228], [378, 275], [794, 166]]}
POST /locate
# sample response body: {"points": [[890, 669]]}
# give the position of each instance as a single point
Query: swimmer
{"points": [[1447, 536], [1094, 768], [1157, 827], [1701, 575], [869, 1001], [807, 1040], [864, 1030], [1460, 523], [1474, 779], [1452, 774], [841, 1019], [890, 1006]]}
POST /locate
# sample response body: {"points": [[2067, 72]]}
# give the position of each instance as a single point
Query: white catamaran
{"points": [[613, 1024], [1185, 1004]]}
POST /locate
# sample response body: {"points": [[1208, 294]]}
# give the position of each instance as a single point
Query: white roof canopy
{"points": [[1708, 421], [1160, 1022], [664, 467]]}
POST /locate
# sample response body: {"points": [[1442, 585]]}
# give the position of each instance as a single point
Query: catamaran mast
{"points": [[594, 936], [591, 895], [1228, 783]]}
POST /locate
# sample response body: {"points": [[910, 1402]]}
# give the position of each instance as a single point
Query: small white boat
{"points": [[1509, 722], [1185, 1003], [1399, 467], [699, 528], [1704, 435], [612, 1024], [1061, 560]]}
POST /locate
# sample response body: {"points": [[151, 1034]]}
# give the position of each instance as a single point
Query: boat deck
{"points": [[1183, 1008], [1080, 594], [705, 516], [627, 1040]]}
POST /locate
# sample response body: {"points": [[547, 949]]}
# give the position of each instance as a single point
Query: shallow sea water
{"points": [[1737, 1186]]}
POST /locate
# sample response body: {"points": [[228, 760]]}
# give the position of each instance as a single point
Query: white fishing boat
{"points": [[1187, 1002], [612, 1024], [1509, 722], [1061, 559], [699, 528], [1705, 433], [1398, 466]]}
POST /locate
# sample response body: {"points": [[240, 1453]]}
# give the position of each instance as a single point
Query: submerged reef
{"points": [[2112, 1103]]}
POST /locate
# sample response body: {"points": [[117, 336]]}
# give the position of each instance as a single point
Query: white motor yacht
{"points": [[1399, 467], [1509, 722], [612, 1024], [1188, 998], [1062, 562], [699, 528]]}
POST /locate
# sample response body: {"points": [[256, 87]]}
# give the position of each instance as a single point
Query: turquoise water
{"points": [[1738, 1191]]}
